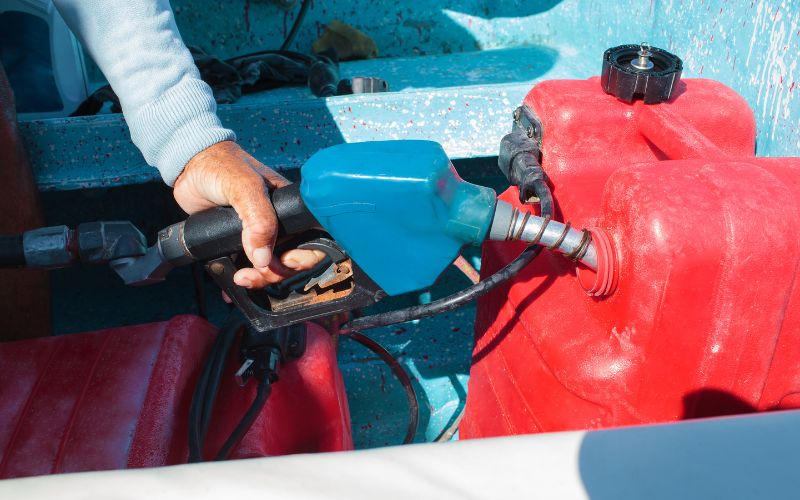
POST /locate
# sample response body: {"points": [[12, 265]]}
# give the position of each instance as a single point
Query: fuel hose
{"points": [[448, 303], [462, 297]]}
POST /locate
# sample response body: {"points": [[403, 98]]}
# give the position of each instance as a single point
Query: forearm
{"points": [[170, 111]]}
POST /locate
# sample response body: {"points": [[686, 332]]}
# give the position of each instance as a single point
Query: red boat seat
{"points": [[120, 398], [109, 399]]}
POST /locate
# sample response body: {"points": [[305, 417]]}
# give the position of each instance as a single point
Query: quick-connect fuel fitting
{"points": [[56, 247]]}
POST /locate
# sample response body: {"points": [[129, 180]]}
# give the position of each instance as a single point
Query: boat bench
{"points": [[464, 101]]}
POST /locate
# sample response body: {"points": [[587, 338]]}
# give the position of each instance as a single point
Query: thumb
{"points": [[259, 222]]}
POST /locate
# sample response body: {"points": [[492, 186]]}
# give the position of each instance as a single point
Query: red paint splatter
{"points": [[791, 87], [701, 69]]}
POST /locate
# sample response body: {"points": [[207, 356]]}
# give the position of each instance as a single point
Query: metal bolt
{"points": [[217, 268], [643, 62], [517, 114]]}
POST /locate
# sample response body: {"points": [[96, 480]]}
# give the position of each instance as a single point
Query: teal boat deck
{"points": [[456, 69]]}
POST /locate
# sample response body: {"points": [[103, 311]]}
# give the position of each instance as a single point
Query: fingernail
{"points": [[245, 282], [291, 263], [261, 257]]}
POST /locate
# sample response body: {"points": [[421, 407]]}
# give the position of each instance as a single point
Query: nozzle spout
{"points": [[510, 224]]}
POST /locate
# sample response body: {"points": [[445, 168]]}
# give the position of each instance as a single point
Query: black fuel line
{"points": [[401, 375], [464, 296], [448, 303]]}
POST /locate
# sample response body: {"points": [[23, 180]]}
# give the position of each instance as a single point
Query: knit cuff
{"points": [[172, 129]]}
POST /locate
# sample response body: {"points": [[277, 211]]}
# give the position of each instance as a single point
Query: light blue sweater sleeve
{"points": [[170, 111]]}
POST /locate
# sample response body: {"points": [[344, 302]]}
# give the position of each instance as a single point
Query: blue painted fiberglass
{"points": [[457, 69]]}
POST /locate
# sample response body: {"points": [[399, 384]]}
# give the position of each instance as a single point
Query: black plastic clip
{"points": [[262, 352], [519, 156]]}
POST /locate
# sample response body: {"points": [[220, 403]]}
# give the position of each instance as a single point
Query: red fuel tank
{"points": [[120, 398], [705, 318]]}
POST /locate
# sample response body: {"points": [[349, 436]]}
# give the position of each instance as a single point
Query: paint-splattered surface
{"points": [[753, 46], [467, 112], [448, 86]]}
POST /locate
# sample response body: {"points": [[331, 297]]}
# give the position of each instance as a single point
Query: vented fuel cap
{"points": [[633, 72]]}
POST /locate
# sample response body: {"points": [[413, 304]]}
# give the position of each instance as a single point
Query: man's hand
{"points": [[225, 175]]}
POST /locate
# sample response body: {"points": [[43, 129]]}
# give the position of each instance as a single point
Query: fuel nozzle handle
{"points": [[218, 231], [210, 234]]}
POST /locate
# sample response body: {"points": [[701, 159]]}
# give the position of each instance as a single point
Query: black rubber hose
{"points": [[205, 392], [402, 376], [289, 54], [448, 303], [228, 333], [198, 398], [466, 295], [262, 394], [296, 25], [545, 197]]}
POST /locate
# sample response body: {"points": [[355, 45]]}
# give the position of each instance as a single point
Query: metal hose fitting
{"points": [[510, 224]]}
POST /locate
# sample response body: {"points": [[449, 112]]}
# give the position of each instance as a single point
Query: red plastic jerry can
{"points": [[705, 315]]}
